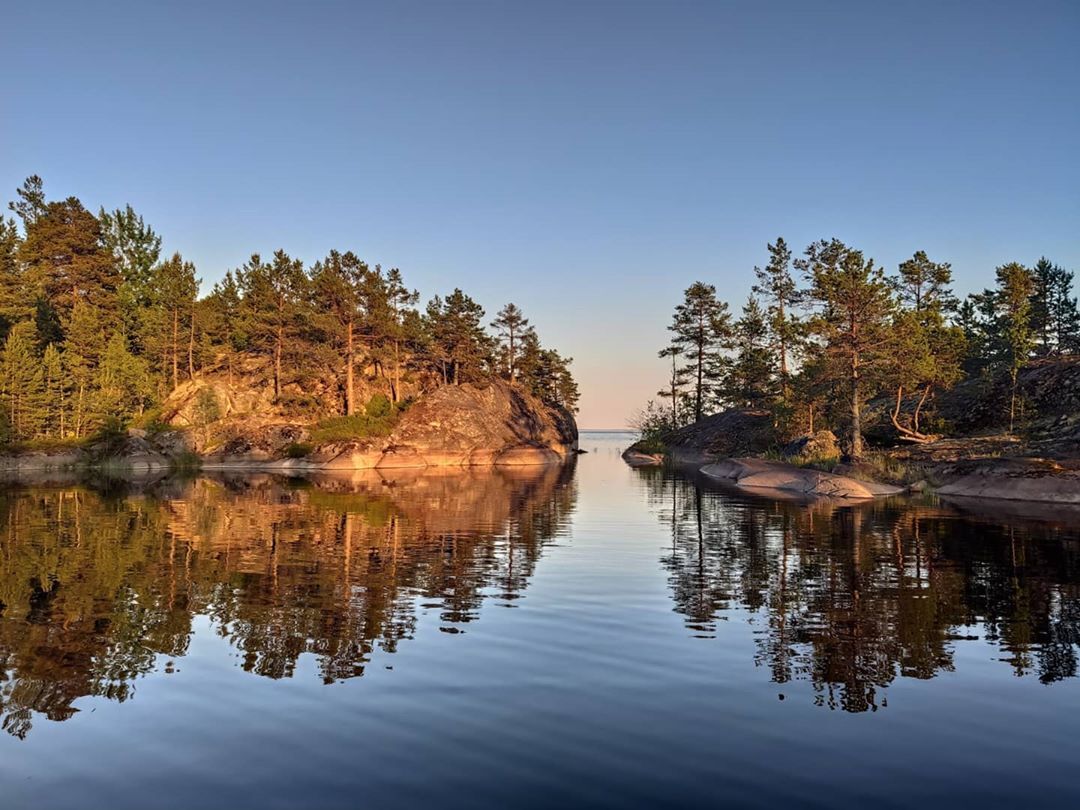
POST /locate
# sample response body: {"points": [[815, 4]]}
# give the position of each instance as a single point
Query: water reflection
{"points": [[96, 585], [850, 598]]}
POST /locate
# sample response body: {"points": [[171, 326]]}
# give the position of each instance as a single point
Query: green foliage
{"points": [[377, 419], [751, 381], [378, 407], [652, 424], [298, 450], [22, 384]]}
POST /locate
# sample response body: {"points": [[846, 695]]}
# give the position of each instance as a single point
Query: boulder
{"points": [[755, 473]]}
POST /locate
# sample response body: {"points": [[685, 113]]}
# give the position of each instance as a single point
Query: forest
{"points": [[99, 327], [823, 333]]}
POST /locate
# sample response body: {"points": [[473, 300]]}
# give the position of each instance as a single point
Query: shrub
{"points": [[378, 419], [298, 450], [379, 407]]}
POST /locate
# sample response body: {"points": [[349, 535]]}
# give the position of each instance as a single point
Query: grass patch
{"points": [[377, 419]]}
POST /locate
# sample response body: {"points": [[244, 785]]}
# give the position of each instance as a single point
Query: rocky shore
{"points": [[495, 425], [730, 447]]}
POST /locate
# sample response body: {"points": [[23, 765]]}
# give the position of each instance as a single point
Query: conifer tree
{"points": [[83, 348], [751, 380], [31, 201], [676, 381], [273, 308], [926, 351], [1012, 298], [223, 320], [123, 382], [779, 290], [338, 286], [701, 329], [853, 301], [461, 346], [510, 324], [23, 383], [66, 260], [16, 293], [173, 297], [135, 249], [1055, 319], [402, 326]]}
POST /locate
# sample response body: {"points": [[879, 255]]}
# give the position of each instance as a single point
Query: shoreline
{"points": [[986, 479]]}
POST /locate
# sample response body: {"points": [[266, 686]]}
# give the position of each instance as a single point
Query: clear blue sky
{"points": [[587, 160]]}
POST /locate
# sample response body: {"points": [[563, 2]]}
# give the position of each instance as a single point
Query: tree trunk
{"points": [[784, 393], [908, 434], [919, 407], [277, 364], [397, 371], [191, 346], [175, 348], [1012, 401], [811, 409], [699, 404], [856, 413], [350, 404]]}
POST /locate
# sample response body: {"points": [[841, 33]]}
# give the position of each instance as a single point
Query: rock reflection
{"points": [[851, 597], [96, 586]]}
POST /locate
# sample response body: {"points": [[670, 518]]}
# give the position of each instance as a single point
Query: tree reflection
{"points": [[850, 597], [96, 586]]}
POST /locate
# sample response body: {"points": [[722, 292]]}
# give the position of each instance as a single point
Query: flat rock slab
{"points": [[755, 473], [1018, 480]]}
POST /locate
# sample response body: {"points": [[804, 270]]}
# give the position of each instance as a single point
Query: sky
{"points": [[586, 160]]}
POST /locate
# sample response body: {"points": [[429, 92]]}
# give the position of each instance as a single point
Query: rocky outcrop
{"points": [[755, 473], [734, 432], [454, 426]]}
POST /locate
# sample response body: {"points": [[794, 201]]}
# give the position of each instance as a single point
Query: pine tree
{"points": [[31, 202], [83, 348], [1055, 320], [926, 352], [23, 384], [273, 306], [677, 379], [173, 299], [338, 286], [1012, 298], [853, 301], [462, 348], [751, 380], [123, 382], [701, 328], [16, 293], [223, 320], [66, 260], [135, 248], [777, 286], [403, 325], [510, 324]]}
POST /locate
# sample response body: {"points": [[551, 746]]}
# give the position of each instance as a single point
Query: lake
{"points": [[587, 636]]}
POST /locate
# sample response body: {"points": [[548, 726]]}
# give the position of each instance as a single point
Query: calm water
{"points": [[587, 636]]}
